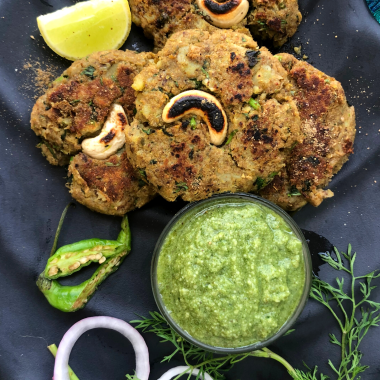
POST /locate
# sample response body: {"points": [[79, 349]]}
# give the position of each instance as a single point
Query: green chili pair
{"points": [[73, 257]]}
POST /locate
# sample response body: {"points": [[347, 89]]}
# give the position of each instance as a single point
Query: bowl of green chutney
{"points": [[231, 273]]}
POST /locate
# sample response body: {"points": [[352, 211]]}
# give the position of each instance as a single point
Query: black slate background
{"points": [[340, 37]]}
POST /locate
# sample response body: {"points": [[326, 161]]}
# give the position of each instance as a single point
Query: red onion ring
{"points": [[61, 371], [181, 369]]}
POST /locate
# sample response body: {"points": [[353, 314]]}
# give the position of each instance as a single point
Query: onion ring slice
{"points": [[181, 369], [61, 371]]}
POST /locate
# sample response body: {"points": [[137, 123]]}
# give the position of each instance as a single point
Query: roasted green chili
{"points": [[73, 257], [254, 103]]}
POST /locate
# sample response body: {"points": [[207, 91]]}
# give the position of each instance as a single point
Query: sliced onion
{"points": [[61, 371], [181, 369]]}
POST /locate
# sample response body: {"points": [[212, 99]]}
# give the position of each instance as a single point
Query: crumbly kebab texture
{"points": [[75, 108], [328, 124], [110, 186], [276, 20], [78, 102], [288, 122], [177, 158]]}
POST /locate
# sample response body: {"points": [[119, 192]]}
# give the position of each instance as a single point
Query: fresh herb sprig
{"points": [[195, 357], [357, 319], [354, 326]]}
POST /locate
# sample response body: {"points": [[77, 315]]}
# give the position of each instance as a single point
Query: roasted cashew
{"points": [[224, 15], [111, 138], [202, 104]]}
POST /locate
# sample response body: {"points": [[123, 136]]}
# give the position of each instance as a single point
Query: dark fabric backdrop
{"points": [[340, 37]]}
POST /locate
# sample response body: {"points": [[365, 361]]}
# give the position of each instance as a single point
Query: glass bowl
{"points": [[197, 207]]}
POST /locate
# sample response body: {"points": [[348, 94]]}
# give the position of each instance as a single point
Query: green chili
{"points": [[73, 257], [254, 104], [193, 123]]}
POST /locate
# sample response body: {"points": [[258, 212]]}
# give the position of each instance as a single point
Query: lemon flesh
{"points": [[86, 27]]}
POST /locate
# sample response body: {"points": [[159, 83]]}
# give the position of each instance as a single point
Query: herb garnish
{"points": [[51, 149], [204, 71], [263, 25], [294, 192], [289, 332], [141, 183], [197, 83], [89, 71], [354, 325], [356, 319], [181, 186], [259, 183], [148, 131], [142, 173], [231, 136]]}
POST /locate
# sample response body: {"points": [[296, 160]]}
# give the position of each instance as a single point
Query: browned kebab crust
{"points": [[328, 124], [287, 149], [76, 107], [77, 104], [178, 159], [160, 19], [111, 186], [276, 20]]}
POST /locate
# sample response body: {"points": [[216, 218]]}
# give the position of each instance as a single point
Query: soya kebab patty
{"points": [[276, 20], [328, 124], [87, 109], [79, 101], [110, 186], [181, 157], [289, 126]]}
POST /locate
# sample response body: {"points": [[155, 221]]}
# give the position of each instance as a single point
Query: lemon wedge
{"points": [[86, 27]]}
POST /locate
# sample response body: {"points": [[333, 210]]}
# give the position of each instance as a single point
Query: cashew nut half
{"points": [[111, 138], [202, 104], [224, 15]]}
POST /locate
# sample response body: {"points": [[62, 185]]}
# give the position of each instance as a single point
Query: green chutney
{"points": [[231, 275]]}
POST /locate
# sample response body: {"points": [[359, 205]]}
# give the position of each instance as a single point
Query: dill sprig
{"points": [[356, 322], [354, 325], [195, 357]]}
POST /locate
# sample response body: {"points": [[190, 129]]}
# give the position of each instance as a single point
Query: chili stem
{"points": [[54, 248]]}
